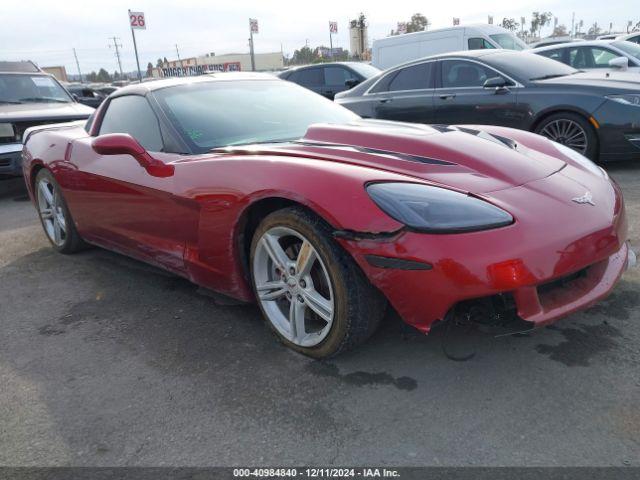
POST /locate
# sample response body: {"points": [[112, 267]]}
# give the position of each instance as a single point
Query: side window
{"points": [[337, 75], [577, 58], [460, 73], [635, 39], [478, 44], [132, 114], [553, 54], [311, 77], [415, 77], [601, 56]]}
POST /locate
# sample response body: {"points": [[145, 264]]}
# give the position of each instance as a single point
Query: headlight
{"points": [[580, 159], [436, 210], [627, 99]]}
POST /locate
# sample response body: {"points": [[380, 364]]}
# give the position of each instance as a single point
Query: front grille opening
{"points": [[561, 283]]}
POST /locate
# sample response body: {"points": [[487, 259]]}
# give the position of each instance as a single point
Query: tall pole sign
{"points": [[333, 29], [253, 28], [137, 22]]}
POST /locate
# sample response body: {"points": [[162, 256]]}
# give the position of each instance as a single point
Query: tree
{"points": [[92, 77], [159, 63], [560, 31], [303, 56], [418, 23], [149, 69], [103, 75], [510, 24], [594, 29], [539, 20]]}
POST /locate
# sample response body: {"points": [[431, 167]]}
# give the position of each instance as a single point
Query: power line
{"points": [[116, 46]]}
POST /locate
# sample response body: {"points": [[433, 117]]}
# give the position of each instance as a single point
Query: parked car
{"points": [[397, 49], [593, 115], [327, 79], [598, 54], [86, 95], [262, 190], [630, 37], [29, 97]]}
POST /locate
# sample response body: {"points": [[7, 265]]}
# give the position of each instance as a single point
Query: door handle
{"points": [[447, 96], [385, 100]]}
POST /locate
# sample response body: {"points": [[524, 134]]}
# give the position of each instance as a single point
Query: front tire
{"points": [[571, 130], [310, 291], [54, 215]]}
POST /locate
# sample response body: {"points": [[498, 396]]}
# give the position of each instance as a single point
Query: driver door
{"points": [[118, 204], [462, 99]]}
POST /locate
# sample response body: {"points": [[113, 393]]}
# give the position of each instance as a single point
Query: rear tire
{"points": [[572, 130], [54, 215], [311, 292]]}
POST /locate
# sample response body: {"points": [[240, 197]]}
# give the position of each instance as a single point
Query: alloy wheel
{"points": [[293, 286], [52, 212], [568, 133]]}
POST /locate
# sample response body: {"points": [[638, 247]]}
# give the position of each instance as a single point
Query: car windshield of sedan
{"points": [[221, 113], [16, 89], [366, 70], [629, 48]]}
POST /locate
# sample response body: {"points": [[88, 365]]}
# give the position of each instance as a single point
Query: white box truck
{"points": [[395, 50]]}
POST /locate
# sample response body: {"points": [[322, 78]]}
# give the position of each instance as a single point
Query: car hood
{"points": [[466, 158], [43, 111], [628, 80]]}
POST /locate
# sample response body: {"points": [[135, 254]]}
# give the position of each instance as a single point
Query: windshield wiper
{"points": [[43, 99]]}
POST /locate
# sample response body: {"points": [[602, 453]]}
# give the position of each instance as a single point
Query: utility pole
{"points": [[178, 53], [117, 45], [77, 64]]}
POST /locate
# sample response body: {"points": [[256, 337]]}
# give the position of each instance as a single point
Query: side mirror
{"points": [[619, 62], [352, 82], [125, 144], [495, 82]]}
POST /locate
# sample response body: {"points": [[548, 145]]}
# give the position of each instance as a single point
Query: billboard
{"points": [[193, 70]]}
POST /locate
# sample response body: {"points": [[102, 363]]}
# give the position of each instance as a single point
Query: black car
{"points": [[330, 78], [87, 95], [30, 97], [595, 116]]}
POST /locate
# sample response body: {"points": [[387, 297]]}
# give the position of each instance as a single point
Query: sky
{"points": [[47, 31]]}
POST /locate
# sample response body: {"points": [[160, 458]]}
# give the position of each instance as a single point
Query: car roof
{"points": [[146, 87], [582, 43], [327, 64]]}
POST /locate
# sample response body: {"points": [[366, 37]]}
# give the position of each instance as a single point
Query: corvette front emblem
{"points": [[586, 198]]}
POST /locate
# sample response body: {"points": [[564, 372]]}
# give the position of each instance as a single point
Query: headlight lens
{"points": [[580, 159], [627, 99], [436, 210]]}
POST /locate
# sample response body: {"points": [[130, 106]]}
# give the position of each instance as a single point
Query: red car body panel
{"points": [[192, 221]]}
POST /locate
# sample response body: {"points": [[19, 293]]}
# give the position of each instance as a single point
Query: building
{"points": [[219, 63], [59, 72], [358, 39], [326, 52]]}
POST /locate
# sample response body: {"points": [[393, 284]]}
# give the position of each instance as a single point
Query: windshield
{"points": [[630, 48], [508, 41], [366, 70], [31, 89], [220, 113], [527, 66]]}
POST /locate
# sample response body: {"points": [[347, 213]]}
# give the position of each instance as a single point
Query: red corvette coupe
{"points": [[258, 188]]}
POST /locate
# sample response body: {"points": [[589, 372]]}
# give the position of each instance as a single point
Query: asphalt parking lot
{"points": [[106, 361]]}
